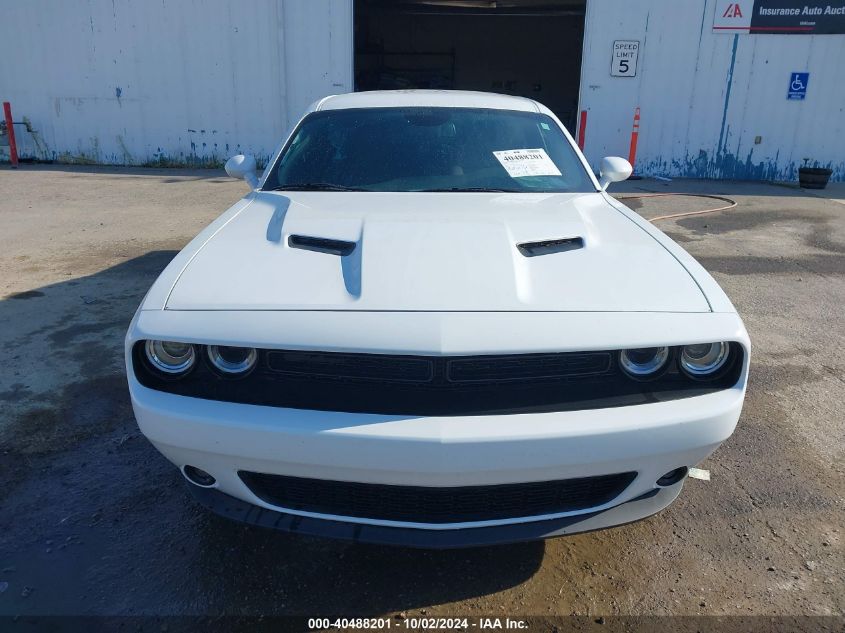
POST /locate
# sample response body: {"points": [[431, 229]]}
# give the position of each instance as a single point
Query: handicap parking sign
{"points": [[798, 85]]}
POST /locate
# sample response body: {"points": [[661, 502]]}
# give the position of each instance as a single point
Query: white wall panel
{"points": [[194, 81], [705, 96], [170, 81]]}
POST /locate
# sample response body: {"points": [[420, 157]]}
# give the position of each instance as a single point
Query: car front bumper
{"points": [[224, 438]]}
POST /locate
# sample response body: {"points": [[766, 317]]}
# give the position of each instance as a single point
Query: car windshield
{"points": [[428, 149]]}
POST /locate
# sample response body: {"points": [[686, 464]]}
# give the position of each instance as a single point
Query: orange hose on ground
{"points": [[731, 204]]}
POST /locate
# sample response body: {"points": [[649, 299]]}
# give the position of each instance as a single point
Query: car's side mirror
{"points": [[613, 169], [243, 166]]}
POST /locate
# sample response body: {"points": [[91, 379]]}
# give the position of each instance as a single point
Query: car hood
{"points": [[434, 252]]}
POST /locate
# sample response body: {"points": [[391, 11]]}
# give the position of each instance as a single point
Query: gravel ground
{"points": [[93, 521]]}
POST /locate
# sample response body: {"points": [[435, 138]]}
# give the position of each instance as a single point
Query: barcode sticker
{"points": [[520, 163]]}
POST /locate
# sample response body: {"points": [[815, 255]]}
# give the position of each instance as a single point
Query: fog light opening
{"points": [[198, 477], [672, 477]]}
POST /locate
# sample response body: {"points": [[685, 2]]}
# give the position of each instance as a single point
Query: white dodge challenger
{"points": [[427, 324]]}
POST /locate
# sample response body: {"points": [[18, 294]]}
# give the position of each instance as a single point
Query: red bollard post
{"points": [[635, 135], [10, 130], [582, 130]]}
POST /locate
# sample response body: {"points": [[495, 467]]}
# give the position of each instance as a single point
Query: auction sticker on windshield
{"points": [[527, 162]]}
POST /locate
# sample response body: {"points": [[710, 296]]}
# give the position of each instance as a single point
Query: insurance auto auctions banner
{"points": [[780, 16]]}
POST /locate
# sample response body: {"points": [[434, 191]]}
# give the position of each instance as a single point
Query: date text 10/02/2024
{"points": [[414, 623]]}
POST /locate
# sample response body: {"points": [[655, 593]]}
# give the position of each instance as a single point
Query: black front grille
{"points": [[428, 369], [527, 367], [395, 384], [351, 366], [420, 504]]}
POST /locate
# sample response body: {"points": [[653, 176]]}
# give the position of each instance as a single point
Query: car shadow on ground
{"points": [[94, 521]]}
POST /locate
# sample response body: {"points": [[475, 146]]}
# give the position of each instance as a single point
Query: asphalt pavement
{"points": [[93, 521]]}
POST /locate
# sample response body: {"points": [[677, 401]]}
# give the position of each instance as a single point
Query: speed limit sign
{"points": [[624, 60]]}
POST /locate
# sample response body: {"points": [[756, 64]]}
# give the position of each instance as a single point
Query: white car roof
{"points": [[428, 98]]}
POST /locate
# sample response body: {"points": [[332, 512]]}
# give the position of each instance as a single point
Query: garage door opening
{"points": [[530, 48]]}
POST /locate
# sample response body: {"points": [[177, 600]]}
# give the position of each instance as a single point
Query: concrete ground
{"points": [[94, 521]]}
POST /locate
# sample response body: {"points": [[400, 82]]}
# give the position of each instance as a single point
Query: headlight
{"points": [[704, 359], [644, 362], [232, 361], [170, 357]]}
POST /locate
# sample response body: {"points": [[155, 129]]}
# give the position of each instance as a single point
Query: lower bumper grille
{"points": [[422, 504]]}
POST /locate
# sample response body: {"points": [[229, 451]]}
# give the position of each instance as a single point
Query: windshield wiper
{"points": [[315, 186], [472, 189]]}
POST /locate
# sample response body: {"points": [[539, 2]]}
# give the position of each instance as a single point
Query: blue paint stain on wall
{"points": [[732, 164], [703, 20], [734, 167], [730, 80], [118, 91]]}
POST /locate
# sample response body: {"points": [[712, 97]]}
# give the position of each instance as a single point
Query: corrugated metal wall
{"points": [[705, 96], [170, 81], [194, 81]]}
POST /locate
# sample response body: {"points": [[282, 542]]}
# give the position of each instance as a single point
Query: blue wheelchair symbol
{"points": [[798, 85]]}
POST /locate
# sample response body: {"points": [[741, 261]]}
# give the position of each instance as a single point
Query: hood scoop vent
{"points": [[547, 247], [321, 245]]}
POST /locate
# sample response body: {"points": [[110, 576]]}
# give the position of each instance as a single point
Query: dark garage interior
{"points": [[530, 48]]}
